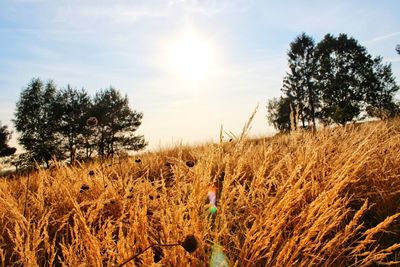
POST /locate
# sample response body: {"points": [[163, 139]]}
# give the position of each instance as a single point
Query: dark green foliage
{"points": [[59, 124], [117, 123], [336, 81], [298, 84], [34, 120], [279, 113], [342, 70], [71, 110], [382, 87], [5, 135], [23, 161]]}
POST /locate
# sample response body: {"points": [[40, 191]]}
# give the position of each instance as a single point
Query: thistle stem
{"points": [[141, 252]]}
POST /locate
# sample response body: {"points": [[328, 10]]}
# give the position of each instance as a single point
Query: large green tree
{"points": [[5, 136], [117, 123], [298, 84], [343, 67], [71, 110], [34, 120]]}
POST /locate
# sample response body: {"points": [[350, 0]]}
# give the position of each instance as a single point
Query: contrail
{"points": [[382, 37]]}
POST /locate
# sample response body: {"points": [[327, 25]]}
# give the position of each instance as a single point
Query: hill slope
{"points": [[326, 199]]}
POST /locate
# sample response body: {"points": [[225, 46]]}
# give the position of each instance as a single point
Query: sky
{"points": [[190, 66]]}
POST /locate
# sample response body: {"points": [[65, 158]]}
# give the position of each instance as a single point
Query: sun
{"points": [[191, 57]]}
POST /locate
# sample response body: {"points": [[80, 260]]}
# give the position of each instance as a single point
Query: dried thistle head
{"points": [[158, 254], [190, 243], [190, 163], [84, 187]]}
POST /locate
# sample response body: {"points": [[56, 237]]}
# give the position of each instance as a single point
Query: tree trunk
{"points": [[311, 103], [303, 119]]}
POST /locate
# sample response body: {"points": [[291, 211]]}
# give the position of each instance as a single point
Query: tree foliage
{"points": [[279, 112], [298, 84], [35, 122], [71, 110], [342, 74], [53, 123], [5, 136], [382, 87], [336, 81], [117, 123]]}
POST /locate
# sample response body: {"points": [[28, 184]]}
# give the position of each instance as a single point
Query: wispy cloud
{"points": [[89, 15], [127, 13], [211, 7], [382, 37]]}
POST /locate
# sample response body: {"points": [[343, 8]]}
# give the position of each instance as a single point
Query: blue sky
{"points": [[95, 44]]}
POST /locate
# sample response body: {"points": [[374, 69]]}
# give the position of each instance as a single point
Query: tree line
{"points": [[68, 124], [334, 81]]}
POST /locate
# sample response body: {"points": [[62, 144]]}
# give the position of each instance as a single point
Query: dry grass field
{"points": [[325, 199]]}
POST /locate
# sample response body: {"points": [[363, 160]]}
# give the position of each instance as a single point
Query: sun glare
{"points": [[190, 57]]}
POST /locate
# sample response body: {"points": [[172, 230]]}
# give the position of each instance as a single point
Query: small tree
{"points": [[117, 123], [279, 112], [35, 122], [5, 136]]}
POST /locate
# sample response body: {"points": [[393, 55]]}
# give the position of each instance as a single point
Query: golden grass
{"points": [[324, 199]]}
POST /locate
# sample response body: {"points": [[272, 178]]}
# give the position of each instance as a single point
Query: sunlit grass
{"points": [[324, 199]]}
